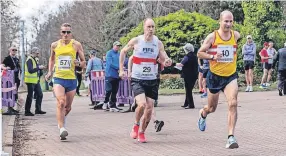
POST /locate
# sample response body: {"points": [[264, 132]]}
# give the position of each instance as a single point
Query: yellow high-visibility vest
{"points": [[31, 78]]}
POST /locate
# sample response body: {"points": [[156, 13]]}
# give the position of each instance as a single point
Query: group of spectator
{"points": [[32, 74], [269, 58]]}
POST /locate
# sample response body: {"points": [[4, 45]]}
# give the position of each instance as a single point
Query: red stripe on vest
{"points": [[138, 60], [215, 46]]}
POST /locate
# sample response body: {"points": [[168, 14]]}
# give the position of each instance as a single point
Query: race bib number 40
{"points": [[64, 62], [227, 53]]}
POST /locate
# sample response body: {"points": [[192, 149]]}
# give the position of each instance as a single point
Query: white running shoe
{"points": [[104, 105], [114, 110], [63, 133], [250, 89], [231, 143], [247, 89]]}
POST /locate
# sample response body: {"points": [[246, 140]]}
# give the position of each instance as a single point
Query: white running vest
{"points": [[145, 55]]}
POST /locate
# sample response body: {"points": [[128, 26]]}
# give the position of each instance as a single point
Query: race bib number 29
{"points": [[148, 70], [227, 53], [64, 62]]}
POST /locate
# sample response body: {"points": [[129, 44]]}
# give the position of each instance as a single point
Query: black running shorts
{"points": [[148, 87], [216, 83]]}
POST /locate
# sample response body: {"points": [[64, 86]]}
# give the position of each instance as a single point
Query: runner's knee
{"points": [[141, 104], [61, 102], [232, 103], [140, 107]]}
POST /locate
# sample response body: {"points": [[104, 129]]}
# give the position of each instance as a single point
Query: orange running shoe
{"points": [[141, 138], [134, 132]]}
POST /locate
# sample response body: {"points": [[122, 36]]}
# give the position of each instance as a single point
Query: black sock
{"points": [[229, 136], [203, 116]]}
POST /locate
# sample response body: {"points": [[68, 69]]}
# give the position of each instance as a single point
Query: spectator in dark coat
{"points": [[189, 66]]}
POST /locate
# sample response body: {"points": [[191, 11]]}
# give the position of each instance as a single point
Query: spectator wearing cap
{"points": [[271, 53], [280, 57], [189, 66], [94, 63], [112, 77], [265, 65], [33, 83], [11, 62], [249, 56]]}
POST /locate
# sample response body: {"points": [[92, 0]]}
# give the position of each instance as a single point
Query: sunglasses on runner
{"points": [[66, 32], [14, 49]]}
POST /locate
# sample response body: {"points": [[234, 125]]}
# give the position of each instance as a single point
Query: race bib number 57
{"points": [[64, 62], [227, 53]]}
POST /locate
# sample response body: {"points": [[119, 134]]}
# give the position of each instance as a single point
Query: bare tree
{"points": [[9, 26], [97, 24]]}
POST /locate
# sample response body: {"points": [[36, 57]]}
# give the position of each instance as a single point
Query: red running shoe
{"points": [[141, 138], [134, 132]]}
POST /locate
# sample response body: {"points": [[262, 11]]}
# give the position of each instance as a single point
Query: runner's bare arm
{"points": [[162, 53], [52, 57], [160, 61], [80, 54], [130, 62], [128, 47], [205, 47], [236, 35]]}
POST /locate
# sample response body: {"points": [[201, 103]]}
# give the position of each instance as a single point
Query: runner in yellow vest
{"points": [[220, 48], [64, 54]]}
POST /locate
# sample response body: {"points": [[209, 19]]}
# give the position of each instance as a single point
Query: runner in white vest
{"points": [[147, 48]]}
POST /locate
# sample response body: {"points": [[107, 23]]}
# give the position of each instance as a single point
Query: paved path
{"points": [[260, 130]]}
